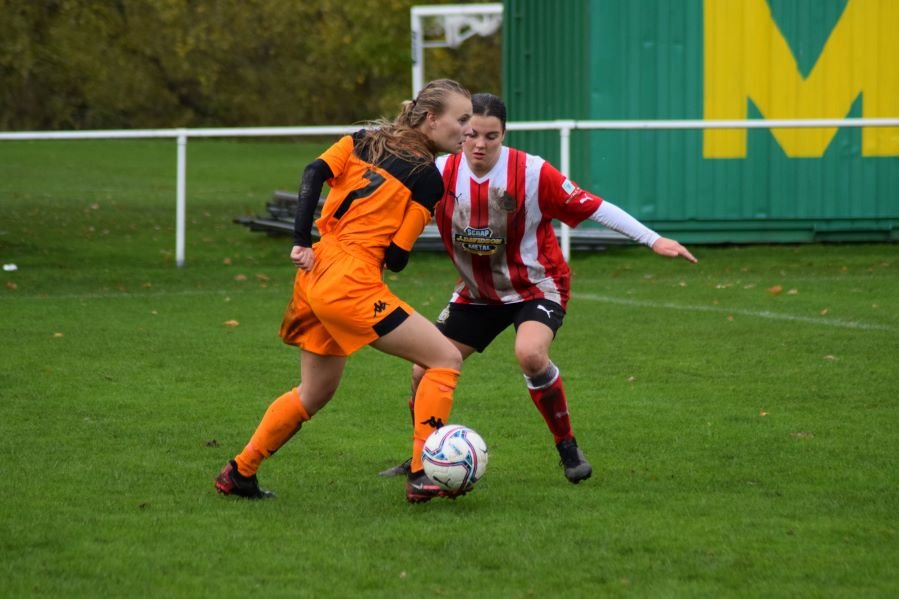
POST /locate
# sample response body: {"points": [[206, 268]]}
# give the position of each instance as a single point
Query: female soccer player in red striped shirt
{"points": [[495, 220]]}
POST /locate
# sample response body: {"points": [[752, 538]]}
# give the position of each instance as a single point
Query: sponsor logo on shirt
{"points": [[478, 241], [573, 192]]}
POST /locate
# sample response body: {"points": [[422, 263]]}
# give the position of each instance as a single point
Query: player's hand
{"points": [[668, 247], [302, 257]]}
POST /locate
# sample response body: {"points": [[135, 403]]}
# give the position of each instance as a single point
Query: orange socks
{"points": [[431, 408], [281, 421]]}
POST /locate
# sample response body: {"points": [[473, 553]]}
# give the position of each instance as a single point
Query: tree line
{"points": [[111, 64]]}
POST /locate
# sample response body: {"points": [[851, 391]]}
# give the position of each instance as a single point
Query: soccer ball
{"points": [[455, 457]]}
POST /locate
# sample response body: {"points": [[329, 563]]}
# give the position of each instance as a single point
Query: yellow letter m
{"points": [[747, 58]]}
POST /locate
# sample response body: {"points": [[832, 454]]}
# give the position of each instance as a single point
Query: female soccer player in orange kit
{"points": [[496, 224], [384, 186]]}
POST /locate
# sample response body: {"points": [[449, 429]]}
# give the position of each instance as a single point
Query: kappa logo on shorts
{"points": [[380, 306]]}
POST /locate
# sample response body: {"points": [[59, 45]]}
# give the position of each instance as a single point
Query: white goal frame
{"points": [[457, 22]]}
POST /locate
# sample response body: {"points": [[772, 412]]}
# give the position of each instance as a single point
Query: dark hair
{"points": [[484, 104], [401, 136]]}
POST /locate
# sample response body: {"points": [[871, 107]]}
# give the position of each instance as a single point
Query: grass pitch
{"points": [[740, 414]]}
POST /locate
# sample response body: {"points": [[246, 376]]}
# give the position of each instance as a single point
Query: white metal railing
{"points": [[564, 127]]}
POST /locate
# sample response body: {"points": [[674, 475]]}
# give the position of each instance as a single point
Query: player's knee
{"points": [[532, 362], [454, 360], [451, 357]]}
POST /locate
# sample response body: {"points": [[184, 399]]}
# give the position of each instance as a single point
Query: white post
{"points": [[181, 200], [458, 21], [565, 164], [418, 64]]}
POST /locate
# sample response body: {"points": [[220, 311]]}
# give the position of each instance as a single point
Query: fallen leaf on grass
{"points": [[802, 435], [263, 278], [231, 323], [825, 311], [58, 334], [227, 261], [775, 290], [763, 413], [11, 285], [240, 277], [830, 357], [793, 292], [631, 379]]}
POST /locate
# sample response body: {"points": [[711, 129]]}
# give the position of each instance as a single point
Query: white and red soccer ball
{"points": [[455, 457]]}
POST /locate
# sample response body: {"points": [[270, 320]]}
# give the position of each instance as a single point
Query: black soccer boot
{"points": [[577, 468], [399, 470], [231, 482]]}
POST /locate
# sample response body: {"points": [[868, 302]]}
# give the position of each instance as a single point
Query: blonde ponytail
{"points": [[401, 137]]}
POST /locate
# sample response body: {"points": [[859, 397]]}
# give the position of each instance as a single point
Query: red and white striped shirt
{"points": [[498, 228]]}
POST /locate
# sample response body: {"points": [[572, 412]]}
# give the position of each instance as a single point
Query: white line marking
{"points": [[831, 322], [139, 294]]}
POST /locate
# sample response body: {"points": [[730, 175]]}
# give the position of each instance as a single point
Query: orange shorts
{"points": [[341, 305]]}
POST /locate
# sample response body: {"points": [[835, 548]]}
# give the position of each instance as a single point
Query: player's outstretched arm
{"points": [[672, 249]]}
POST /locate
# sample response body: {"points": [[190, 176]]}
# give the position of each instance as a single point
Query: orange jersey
{"points": [[343, 304], [368, 203]]}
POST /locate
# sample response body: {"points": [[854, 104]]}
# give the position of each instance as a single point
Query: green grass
{"points": [[744, 441]]}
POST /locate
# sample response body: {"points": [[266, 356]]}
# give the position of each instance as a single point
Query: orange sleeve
{"points": [[414, 222], [337, 155]]}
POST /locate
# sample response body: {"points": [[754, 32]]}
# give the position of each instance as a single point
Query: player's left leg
{"points": [[281, 421], [532, 341]]}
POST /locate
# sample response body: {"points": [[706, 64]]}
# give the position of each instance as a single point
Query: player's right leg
{"points": [[418, 372], [419, 341], [469, 328]]}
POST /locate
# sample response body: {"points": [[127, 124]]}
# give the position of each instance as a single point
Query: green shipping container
{"points": [[718, 59]]}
